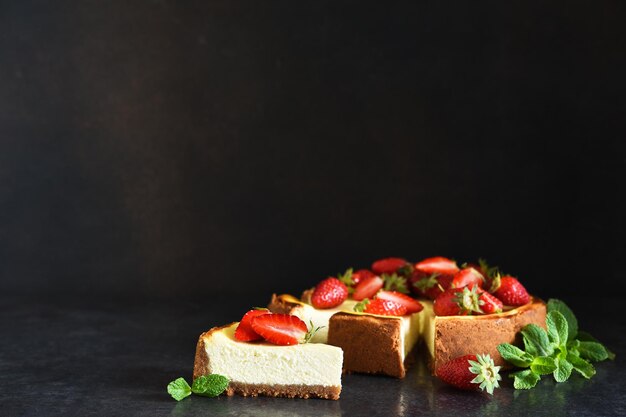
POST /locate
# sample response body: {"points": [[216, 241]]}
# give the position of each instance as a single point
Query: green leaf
{"points": [[543, 365], [561, 307], [586, 337], [526, 379], [536, 341], [395, 282], [557, 328], [515, 355], [179, 389], [581, 366], [210, 385], [593, 351], [563, 369]]}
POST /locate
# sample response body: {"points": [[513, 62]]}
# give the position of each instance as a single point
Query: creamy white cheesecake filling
{"points": [[264, 363]]}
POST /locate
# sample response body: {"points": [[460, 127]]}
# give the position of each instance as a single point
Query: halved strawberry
{"points": [[388, 265], [465, 301], [471, 372], [411, 304], [468, 277], [489, 304], [511, 292], [329, 293], [367, 288], [244, 332], [437, 264], [280, 329], [382, 307], [360, 275]]}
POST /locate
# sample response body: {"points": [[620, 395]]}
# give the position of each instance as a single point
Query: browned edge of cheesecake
{"points": [[201, 361], [371, 344], [278, 304], [482, 334]]}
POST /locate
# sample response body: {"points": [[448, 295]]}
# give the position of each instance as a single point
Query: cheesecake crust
{"points": [[288, 391], [463, 335], [371, 344]]}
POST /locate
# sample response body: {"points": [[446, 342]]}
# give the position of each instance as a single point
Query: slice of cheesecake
{"points": [[448, 337], [371, 344], [310, 370]]}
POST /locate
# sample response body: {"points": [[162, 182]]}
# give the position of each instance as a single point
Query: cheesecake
{"points": [[372, 344], [448, 337], [310, 370]]}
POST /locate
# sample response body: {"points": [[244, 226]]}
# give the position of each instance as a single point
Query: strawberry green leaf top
{"points": [[487, 374], [395, 282], [480, 374]]}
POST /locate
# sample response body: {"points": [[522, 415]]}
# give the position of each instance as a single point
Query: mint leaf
{"points": [[581, 366], [592, 351], [543, 365], [210, 385], [179, 389], [561, 307], [515, 355], [536, 341], [557, 328], [525, 379], [563, 369], [586, 337]]}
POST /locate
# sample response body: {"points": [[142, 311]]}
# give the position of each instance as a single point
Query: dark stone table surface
{"points": [[82, 357]]}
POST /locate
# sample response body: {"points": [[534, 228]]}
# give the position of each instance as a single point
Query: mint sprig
{"points": [[206, 385], [559, 351]]}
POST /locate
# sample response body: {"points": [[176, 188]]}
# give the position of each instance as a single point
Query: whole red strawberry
{"points": [[329, 293], [429, 286], [466, 301], [244, 332], [471, 372], [511, 292], [388, 265]]}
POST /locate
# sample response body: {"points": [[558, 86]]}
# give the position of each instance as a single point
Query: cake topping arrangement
{"points": [[370, 321]]}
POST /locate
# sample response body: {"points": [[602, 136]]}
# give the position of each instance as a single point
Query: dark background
{"points": [[193, 149]]}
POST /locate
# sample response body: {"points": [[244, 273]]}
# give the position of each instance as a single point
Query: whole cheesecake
{"points": [[311, 370]]}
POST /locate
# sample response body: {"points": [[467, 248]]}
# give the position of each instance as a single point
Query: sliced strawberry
{"points": [[244, 332], [439, 265], [488, 303], [388, 265], [468, 277], [511, 292], [471, 372], [384, 308], [411, 304], [360, 275], [329, 293], [367, 288], [429, 285], [280, 329]]}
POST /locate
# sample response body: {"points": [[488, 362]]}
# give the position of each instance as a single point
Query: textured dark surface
{"points": [[80, 358]]}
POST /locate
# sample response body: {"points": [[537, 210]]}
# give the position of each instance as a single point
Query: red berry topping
{"points": [[384, 307], [244, 332], [511, 292], [367, 288], [471, 372], [410, 303], [439, 265], [360, 275], [388, 265], [329, 293], [466, 301], [430, 285], [280, 329], [468, 277]]}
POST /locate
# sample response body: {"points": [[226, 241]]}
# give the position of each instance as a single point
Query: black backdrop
{"points": [[188, 149]]}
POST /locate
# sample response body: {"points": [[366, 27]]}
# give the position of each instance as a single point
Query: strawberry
{"points": [[511, 292], [388, 265], [381, 307], [439, 265], [244, 332], [468, 277], [360, 275], [280, 329], [329, 293], [411, 304], [430, 285], [367, 288], [466, 301], [471, 372]]}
